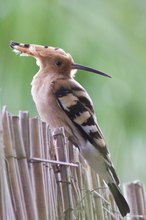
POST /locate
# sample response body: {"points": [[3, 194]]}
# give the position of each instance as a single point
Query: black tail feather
{"points": [[119, 199]]}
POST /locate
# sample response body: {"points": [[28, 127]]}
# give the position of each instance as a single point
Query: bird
{"points": [[62, 102]]}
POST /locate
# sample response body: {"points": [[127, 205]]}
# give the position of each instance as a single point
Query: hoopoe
{"points": [[63, 102]]}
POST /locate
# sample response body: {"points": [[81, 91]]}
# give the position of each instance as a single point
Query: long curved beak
{"points": [[86, 68]]}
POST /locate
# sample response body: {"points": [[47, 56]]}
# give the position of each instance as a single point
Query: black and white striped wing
{"points": [[80, 111]]}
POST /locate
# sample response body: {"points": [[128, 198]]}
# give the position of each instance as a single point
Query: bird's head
{"points": [[53, 59]]}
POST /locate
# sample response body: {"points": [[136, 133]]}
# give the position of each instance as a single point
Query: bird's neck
{"points": [[42, 76]]}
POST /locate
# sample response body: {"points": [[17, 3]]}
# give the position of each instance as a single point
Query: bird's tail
{"points": [[119, 199]]}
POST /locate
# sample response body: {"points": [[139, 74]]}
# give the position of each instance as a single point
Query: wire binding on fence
{"points": [[38, 160]]}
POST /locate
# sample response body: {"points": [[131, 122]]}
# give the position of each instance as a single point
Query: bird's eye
{"points": [[58, 63]]}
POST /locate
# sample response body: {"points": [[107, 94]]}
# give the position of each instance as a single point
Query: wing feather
{"points": [[83, 118]]}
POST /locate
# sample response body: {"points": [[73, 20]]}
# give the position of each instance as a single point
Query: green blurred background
{"points": [[107, 35]]}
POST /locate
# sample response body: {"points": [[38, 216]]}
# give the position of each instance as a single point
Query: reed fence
{"points": [[44, 177]]}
